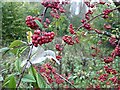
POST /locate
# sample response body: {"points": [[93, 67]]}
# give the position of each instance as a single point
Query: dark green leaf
{"points": [[9, 82], [12, 82], [39, 79]]}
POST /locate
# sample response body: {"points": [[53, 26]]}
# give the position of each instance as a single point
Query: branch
{"points": [[96, 17], [66, 80], [24, 68], [43, 14]]}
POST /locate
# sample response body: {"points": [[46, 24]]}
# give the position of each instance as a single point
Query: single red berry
{"points": [[107, 26]]}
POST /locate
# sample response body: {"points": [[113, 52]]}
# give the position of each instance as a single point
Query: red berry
{"points": [[98, 31], [42, 37], [31, 23], [71, 29], [47, 21], [107, 26], [58, 47], [108, 59]]}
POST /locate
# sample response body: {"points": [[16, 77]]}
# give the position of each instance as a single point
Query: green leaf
{"points": [[57, 24], [12, 82], [6, 81], [39, 24], [39, 79], [17, 65], [33, 72], [21, 50], [4, 49], [28, 78], [14, 45], [9, 82]]}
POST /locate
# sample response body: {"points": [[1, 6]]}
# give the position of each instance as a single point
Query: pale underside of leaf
{"points": [[39, 55]]}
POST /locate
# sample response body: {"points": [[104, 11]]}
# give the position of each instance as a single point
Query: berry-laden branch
{"points": [[51, 75], [89, 21], [66, 80], [104, 13], [96, 17], [24, 67]]}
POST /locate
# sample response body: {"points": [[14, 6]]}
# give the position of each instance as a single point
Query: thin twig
{"points": [[24, 67], [66, 80]]}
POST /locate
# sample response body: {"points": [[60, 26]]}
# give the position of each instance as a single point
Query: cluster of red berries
{"points": [[55, 6], [54, 14], [71, 29], [87, 15], [103, 77], [53, 3], [106, 12], [59, 47], [89, 4], [116, 51], [87, 26], [108, 59], [46, 70], [69, 40], [114, 80], [42, 37], [58, 57], [113, 41], [110, 70], [46, 23], [49, 73], [92, 5], [30, 21], [58, 80], [83, 21]]}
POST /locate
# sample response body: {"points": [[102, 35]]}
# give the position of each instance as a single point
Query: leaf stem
{"points": [[24, 67]]}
